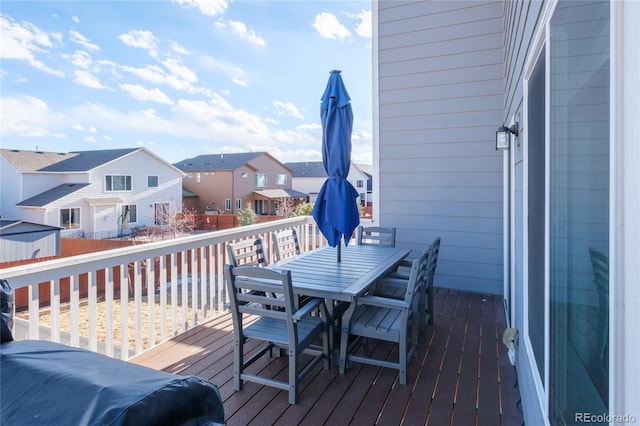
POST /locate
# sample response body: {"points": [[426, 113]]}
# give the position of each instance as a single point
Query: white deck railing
{"points": [[144, 300]]}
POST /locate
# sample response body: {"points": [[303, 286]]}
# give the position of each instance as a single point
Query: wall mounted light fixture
{"points": [[503, 136]]}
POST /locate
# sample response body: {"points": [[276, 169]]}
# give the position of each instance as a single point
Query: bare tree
{"points": [[286, 207], [172, 222]]}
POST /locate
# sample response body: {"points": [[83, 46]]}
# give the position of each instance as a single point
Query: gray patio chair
{"points": [[383, 318], [248, 252], [394, 286], [252, 290], [285, 244], [376, 235]]}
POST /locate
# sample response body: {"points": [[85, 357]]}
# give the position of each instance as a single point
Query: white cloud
{"points": [[179, 71], [179, 49], [21, 41], [142, 94], [363, 29], [76, 37], [89, 139], [78, 127], [240, 29], [207, 7], [85, 78], [236, 73], [239, 82], [287, 108], [92, 130], [81, 59], [24, 116], [75, 19], [176, 74], [140, 39], [329, 27]]}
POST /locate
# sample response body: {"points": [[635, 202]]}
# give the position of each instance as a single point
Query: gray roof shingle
{"points": [[307, 169], [81, 161], [52, 195], [208, 162]]}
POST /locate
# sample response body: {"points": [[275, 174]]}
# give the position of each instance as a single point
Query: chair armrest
{"points": [[307, 308], [383, 302], [397, 275], [393, 282]]}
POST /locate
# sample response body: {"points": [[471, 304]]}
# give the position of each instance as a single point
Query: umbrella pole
{"points": [[339, 251]]}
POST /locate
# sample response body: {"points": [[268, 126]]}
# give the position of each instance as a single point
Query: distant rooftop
{"points": [[225, 161], [79, 161], [307, 169], [52, 195]]}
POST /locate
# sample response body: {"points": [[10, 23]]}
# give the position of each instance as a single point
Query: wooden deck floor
{"points": [[461, 377]]}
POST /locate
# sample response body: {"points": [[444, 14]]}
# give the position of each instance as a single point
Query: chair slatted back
{"points": [[376, 235], [285, 244], [260, 291], [248, 252]]}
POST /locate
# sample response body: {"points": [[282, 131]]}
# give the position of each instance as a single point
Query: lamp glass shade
{"points": [[502, 138]]}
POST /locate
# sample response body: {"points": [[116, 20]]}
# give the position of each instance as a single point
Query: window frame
{"points": [[281, 179], [258, 177], [69, 215], [133, 217], [109, 183]]}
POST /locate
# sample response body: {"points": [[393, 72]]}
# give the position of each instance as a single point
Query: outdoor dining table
{"points": [[317, 273]]}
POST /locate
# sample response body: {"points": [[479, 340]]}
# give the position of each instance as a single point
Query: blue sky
{"points": [[182, 77]]}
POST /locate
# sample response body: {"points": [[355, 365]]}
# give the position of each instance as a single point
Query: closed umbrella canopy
{"points": [[336, 209]]}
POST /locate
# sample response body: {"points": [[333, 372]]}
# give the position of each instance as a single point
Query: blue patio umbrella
{"points": [[335, 210]]}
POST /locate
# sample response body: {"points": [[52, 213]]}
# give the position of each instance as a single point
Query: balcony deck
{"points": [[461, 377]]}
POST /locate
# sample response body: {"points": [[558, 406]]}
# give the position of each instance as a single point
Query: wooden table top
{"points": [[318, 273]]}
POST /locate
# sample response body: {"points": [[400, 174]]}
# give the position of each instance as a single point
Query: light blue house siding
{"points": [[441, 98]]}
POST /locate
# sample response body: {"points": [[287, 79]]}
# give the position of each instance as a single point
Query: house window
{"points": [[227, 203], [261, 180], [129, 214], [244, 175], [238, 203], [152, 181], [281, 179], [198, 177], [117, 183], [70, 218], [161, 214], [359, 183], [189, 175]]}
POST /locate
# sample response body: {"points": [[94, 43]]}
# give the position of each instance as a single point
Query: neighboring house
{"points": [[91, 194], [20, 240], [309, 176], [367, 169], [553, 223], [226, 183]]}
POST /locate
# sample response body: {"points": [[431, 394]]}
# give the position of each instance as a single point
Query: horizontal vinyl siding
{"points": [[441, 99]]}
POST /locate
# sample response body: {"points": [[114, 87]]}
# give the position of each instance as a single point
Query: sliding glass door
{"points": [[579, 210]]}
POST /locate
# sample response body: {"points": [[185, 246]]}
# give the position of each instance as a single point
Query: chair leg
{"points": [[402, 353], [344, 336], [293, 375], [325, 344], [238, 361]]}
